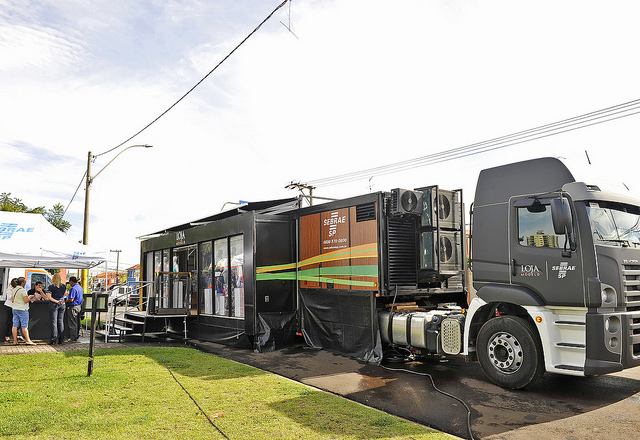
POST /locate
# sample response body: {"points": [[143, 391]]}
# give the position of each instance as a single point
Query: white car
{"points": [[118, 294]]}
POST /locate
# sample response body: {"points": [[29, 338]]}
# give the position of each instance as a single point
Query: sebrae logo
{"points": [[8, 229], [333, 222], [563, 269]]}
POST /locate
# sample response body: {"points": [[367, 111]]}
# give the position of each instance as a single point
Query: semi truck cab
{"points": [[556, 265]]}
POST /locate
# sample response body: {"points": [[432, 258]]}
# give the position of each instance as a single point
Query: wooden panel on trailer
{"points": [[310, 246]]}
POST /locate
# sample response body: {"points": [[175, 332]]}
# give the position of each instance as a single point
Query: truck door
{"points": [[541, 259]]}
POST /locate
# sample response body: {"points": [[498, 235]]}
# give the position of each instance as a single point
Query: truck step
{"points": [[569, 323], [568, 345], [570, 367]]}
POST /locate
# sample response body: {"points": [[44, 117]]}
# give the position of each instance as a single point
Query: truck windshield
{"points": [[614, 224]]}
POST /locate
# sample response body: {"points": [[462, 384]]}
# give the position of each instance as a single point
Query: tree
{"points": [[53, 216]]}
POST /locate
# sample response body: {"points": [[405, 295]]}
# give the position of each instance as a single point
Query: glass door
{"points": [[177, 281]]}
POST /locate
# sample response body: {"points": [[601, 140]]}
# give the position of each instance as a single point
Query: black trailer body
{"points": [[206, 270]]}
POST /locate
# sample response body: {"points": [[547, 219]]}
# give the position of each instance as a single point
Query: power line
{"points": [[74, 194], [199, 82], [480, 147], [182, 97], [586, 120]]}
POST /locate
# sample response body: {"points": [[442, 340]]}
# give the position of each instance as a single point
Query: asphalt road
{"points": [[557, 407]]}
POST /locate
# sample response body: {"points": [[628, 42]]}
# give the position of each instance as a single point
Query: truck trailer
{"points": [[546, 278], [555, 265]]}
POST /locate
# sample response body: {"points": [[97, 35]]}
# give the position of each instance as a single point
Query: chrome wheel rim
{"points": [[505, 352]]}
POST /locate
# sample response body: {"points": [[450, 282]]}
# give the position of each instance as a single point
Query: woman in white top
{"points": [[9, 304], [21, 300]]}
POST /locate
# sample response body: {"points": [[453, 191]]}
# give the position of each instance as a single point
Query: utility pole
{"points": [[85, 240], [117, 262], [85, 272], [301, 187], [85, 233]]}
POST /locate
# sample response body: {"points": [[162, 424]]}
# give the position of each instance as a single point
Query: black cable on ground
{"points": [[190, 396], [439, 391], [395, 354]]}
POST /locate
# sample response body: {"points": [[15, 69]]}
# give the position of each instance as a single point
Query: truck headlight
{"points": [[608, 295]]}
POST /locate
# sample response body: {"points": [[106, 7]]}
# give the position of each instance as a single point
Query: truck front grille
{"points": [[635, 335], [631, 286]]}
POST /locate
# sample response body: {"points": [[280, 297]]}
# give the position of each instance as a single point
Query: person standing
{"points": [[37, 291], [55, 296], [21, 301], [9, 305], [75, 307]]}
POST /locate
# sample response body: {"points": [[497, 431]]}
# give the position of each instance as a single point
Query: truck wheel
{"points": [[510, 352]]}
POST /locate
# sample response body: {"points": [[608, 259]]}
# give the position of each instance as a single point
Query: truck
{"points": [[546, 278], [31, 275]]}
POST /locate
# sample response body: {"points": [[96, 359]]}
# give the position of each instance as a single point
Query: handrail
{"points": [[111, 321], [146, 301]]}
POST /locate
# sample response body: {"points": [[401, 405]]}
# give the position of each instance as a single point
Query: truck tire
{"points": [[510, 352]]}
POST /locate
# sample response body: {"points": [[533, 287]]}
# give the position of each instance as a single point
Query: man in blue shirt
{"points": [[74, 302]]}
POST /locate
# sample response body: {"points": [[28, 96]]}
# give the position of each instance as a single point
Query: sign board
{"points": [[102, 302]]}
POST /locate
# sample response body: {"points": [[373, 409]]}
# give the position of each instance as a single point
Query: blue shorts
{"points": [[21, 318]]}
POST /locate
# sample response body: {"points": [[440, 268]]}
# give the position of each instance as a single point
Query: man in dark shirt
{"points": [[38, 289], [74, 303]]}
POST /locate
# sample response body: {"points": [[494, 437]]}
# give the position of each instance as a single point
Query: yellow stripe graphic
{"points": [[369, 250]]}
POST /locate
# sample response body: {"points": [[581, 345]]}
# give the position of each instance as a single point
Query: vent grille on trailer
{"points": [[365, 212], [402, 252]]}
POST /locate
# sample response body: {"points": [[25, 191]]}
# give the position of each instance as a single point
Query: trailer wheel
{"points": [[510, 352]]}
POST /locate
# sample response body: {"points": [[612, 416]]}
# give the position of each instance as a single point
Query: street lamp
{"points": [[85, 240], [85, 234]]}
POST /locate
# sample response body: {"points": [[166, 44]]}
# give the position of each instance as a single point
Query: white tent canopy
{"points": [[29, 240]]}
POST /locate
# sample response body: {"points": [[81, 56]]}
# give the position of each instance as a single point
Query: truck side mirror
{"points": [[562, 219]]}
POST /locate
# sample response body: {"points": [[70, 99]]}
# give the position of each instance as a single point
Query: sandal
{"points": [[30, 343]]}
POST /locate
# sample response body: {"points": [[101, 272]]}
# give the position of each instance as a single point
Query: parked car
{"points": [[118, 294]]}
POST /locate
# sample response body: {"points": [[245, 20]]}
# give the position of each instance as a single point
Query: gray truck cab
{"points": [[556, 265]]}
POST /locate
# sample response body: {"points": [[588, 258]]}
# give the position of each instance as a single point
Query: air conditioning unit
{"points": [[404, 201], [441, 208], [449, 251], [441, 251]]}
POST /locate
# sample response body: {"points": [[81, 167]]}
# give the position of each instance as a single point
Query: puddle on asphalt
{"points": [[346, 383]]}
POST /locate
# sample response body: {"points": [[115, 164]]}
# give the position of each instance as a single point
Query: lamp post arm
{"points": [[116, 156]]}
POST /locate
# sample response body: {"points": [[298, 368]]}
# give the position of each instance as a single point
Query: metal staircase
{"points": [[139, 318]]}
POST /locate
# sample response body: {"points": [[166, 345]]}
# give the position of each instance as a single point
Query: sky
{"points": [[322, 88]]}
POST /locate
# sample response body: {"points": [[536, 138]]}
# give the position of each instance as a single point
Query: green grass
{"points": [[131, 395]]}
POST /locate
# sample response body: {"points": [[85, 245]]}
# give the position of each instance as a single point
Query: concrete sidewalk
{"points": [[42, 346]]}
